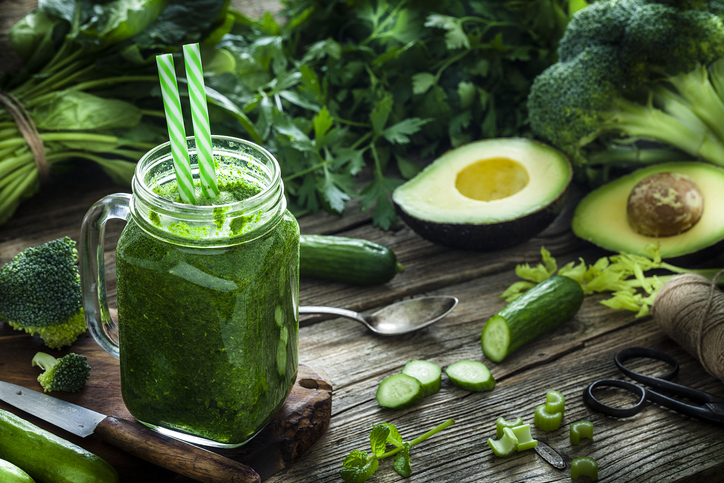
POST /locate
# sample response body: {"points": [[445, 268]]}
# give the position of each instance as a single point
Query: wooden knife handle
{"points": [[172, 454]]}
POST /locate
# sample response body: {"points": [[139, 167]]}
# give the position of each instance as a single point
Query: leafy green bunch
{"points": [[89, 85], [623, 274], [636, 82], [350, 90], [359, 465]]}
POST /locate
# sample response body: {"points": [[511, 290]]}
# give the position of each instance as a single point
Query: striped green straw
{"points": [[176, 131], [200, 116]]}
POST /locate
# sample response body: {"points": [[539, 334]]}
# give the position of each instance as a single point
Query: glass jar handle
{"points": [[92, 268]]}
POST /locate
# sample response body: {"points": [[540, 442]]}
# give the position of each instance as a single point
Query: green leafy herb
{"points": [[90, 87], [349, 88], [622, 274], [359, 465]]}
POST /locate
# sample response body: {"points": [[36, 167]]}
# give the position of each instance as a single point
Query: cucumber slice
{"points": [[470, 375], [428, 373], [399, 391]]}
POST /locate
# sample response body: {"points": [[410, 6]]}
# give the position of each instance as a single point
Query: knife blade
{"points": [[130, 436]]}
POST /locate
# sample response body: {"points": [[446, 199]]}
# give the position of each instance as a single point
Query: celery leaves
{"points": [[623, 274]]}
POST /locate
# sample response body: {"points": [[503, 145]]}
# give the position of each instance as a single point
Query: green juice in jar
{"points": [[207, 304]]}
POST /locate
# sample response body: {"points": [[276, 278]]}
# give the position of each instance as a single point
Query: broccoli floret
{"points": [[69, 373], [632, 75], [40, 293]]}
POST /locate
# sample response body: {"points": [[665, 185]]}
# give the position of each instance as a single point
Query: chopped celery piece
{"points": [[428, 373], [581, 429], [501, 423], [546, 421], [504, 446], [555, 402], [525, 440], [584, 466]]}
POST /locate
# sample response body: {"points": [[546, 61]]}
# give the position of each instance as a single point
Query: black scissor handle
{"points": [[597, 405], [645, 352]]}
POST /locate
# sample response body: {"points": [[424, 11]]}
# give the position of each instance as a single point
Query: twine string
{"points": [[27, 128], [690, 310]]}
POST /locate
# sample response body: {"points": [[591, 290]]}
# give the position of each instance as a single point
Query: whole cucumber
{"points": [[540, 310], [48, 458], [348, 260], [9, 473]]}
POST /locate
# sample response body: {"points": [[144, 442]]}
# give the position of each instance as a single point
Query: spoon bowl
{"points": [[399, 318]]}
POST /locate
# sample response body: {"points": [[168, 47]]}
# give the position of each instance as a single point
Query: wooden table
{"points": [[656, 445]]}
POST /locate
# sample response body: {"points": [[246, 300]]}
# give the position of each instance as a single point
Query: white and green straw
{"points": [[200, 117], [176, 131]]}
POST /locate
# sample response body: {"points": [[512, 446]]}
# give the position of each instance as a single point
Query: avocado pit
{"points": [[664, 204]]}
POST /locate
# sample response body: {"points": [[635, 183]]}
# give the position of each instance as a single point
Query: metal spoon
{"points": [[398, 318]]}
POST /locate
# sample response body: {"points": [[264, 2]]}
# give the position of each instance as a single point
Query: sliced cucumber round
{"points": [[428, 373], [399, 391], [470, 375]]}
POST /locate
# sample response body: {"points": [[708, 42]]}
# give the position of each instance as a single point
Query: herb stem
{"points": [[417, 440], [83, 86], [305, 171]]}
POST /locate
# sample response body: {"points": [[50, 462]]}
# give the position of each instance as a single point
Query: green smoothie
{"points": [[208, 336]]}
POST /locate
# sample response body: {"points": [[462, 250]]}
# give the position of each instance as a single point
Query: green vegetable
{"points": [[510, 439], [48, 458], [540, 310], [505, 446], [9, 473], [399, 391], [90, 86], [470, 375], [555, 402], [40, 293], [341, 86], [584, 466], [524, 438], [348, 260], [501, 423], [359, 465], [622, 274], [69, 373], [581, 429], [428, 373], [547, 421], [622, 86]]}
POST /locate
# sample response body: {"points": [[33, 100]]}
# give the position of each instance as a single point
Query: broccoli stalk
{"points": [[69, 373], [40, 293], [637, 82]]}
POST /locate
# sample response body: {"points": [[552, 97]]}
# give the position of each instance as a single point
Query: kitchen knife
{"points": [[132, 437]]}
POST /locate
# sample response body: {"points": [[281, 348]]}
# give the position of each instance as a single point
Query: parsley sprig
{"points": [[623, 274], [359, 465], [352, 97]]}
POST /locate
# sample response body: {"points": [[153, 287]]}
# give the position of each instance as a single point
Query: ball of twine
{"points": [[690, 310]]}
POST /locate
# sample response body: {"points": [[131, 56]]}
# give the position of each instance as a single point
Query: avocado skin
{"points": [[490, 236]]}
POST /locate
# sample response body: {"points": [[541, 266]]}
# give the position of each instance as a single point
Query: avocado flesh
{"points": [[601, 218], [486, 195]]}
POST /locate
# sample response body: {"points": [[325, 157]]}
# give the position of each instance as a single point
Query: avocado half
{"points": [[486, 195], [601, 218]]}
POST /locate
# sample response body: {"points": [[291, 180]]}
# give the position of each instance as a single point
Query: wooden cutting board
{"points": [[293, 430]]}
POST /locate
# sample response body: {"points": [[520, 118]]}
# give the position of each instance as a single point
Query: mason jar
{"points": [[207, 329]]}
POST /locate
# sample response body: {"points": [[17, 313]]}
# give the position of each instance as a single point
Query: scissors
{"points": [[708, 407]]}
